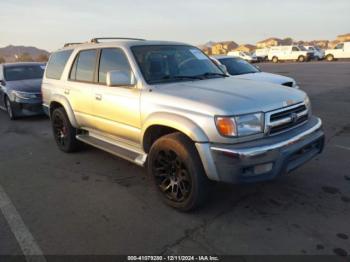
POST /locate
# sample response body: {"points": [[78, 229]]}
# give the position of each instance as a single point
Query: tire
{"points": [[177, 171], [64, 133], [9, 109], [330, 58], [301, 59], [275, 59]]}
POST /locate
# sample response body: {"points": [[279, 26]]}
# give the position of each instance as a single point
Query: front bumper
{"points": [[27, 107], [263, 159]]}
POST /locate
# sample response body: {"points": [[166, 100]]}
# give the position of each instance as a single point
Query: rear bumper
{"points": [[263, 159]]}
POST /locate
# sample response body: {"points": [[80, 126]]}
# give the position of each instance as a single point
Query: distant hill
{"points": [[9, 53]]}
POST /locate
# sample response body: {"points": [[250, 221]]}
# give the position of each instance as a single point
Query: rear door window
{"points": [[83, 68], [57, 63]]}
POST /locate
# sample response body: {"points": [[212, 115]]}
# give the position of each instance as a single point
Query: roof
{"points": [[224, 56], [269, 39], [122, 43], [22, 64]]}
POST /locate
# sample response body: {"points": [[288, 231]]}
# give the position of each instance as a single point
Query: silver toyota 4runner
{"points": [[167, 106]]}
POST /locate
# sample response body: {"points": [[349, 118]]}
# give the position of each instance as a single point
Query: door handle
{"points": [[98, 97], [66, 91]]}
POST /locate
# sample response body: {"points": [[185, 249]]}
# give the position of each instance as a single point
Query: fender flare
{"points": [[67, 107], [183, 124]]}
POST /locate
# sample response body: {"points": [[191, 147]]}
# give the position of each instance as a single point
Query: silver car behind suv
{"points": [[167, 106], [20, 89]]}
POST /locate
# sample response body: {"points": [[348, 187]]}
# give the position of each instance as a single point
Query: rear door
{"points": [[117, 108], [82, 79]]}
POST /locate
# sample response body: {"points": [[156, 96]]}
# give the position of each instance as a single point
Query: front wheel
{"points": [[177, 170], [329, 58], [63, 131], [301, 58], [275, 59]]}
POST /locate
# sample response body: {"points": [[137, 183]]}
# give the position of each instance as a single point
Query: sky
{"points": [[48, 24]]}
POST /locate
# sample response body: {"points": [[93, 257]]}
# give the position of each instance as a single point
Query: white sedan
{"points": [[240, 68]]}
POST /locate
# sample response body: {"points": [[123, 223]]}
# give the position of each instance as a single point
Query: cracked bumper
{"points": [[263, 159]]}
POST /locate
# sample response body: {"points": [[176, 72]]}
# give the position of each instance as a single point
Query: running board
{"points": [[122, 152]]}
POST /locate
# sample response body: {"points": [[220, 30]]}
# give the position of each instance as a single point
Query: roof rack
{"points": [[69, 44], [97, 40]]}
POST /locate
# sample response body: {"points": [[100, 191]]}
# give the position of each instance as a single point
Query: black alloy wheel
{"points": [[172, 176]]}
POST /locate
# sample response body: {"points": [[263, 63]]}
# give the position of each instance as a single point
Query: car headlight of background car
{"points": [[308, 104], [295, 85], [241, 125], [24, 95]]}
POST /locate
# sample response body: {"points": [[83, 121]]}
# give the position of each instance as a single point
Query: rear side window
{"points": [[111, 59], [57, 63], [84, 66]]}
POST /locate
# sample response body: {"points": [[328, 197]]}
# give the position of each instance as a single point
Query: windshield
{"points": [[302, 48], [172, 63], [23, 72], [238, 66]]}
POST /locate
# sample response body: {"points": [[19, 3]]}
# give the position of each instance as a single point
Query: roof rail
{"points": [[69, 44], [96, 40]]}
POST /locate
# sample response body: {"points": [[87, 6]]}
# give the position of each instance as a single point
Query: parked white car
{"points": [[289, 52], [340, 51], [318, 52], [262, 53], [244, 55], [239, 68]]}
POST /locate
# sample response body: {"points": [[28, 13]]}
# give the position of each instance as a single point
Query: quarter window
{"points": [[83, 68], [111, 59], [57, 64]]}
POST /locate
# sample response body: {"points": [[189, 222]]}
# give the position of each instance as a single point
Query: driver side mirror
{"points": [[120, 78], [2, 82], [223, 68]]}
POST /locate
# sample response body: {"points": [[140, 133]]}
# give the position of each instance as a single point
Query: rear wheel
{"points": [[177, 170], [9, 109], [329, 58], [301, 58], [64, 132], [275, 59]]}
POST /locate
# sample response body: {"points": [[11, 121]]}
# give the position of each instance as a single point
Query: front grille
{"points": [[285, 119], [290, 84]]}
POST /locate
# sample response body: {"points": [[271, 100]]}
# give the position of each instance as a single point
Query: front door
{"points": [[117, 109]]}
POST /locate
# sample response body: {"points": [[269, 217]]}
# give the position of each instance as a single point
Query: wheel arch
{"points": [[60, 101], [160, 124]]}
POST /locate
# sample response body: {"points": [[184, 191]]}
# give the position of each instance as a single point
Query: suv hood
{"points": [[29, 85], [266, 77], [226, 96]]}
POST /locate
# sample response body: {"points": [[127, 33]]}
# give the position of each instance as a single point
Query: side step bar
{"points": [[132, 156]]}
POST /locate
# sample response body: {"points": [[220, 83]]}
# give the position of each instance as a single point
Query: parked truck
{"points": [[291, 53]]}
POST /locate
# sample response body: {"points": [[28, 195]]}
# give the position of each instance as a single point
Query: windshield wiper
{"points": [[212, 74]]}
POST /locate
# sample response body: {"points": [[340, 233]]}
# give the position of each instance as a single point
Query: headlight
{"points": [[295, 85], [24, 95], [307, 104], [242, 125]]}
